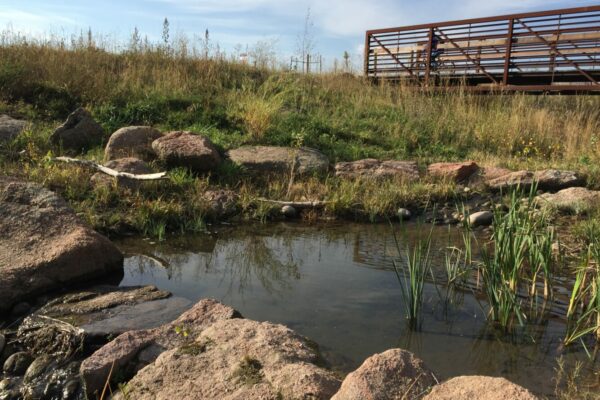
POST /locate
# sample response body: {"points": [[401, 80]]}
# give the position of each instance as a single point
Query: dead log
{"points": [[110, 171], [297, 204]]}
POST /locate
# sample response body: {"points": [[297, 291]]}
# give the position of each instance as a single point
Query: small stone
{"points": [[21, 308], [17, 364], [467, 189], [482, 218], [457, 216], [70, 389], [288, 211], [404, 214], [37, 368]]}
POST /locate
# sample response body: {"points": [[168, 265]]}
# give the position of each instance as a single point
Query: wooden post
{"points": [[308, 63], [428, 58], [367, 52], [508, 52]]}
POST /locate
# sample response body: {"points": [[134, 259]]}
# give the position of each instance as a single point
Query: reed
{"points": [[411, 276]]}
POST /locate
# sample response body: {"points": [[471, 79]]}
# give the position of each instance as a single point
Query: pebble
{"points": [[17, 364], [70, 389], [37, 368], [404, 214], [288, 211]]}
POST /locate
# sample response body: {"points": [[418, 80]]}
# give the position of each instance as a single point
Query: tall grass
{"points": [[411, 276]]}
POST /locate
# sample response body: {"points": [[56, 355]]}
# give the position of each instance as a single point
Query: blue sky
{"points": [[338, 24]]}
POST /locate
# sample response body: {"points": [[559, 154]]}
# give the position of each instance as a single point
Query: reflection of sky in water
{"points": [[336, 285]]}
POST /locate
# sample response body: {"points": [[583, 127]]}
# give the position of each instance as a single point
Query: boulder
{"points": [[10, 128], [132, 141], [457, 172], [375, 169], [237, 359], [479, 387], [133, 350], [392, 375], [481, 218], [79, 132], [188, 150], [130, 165], [490, 173], [573, 200], [44, 245], [550, 179], [273, 159]]}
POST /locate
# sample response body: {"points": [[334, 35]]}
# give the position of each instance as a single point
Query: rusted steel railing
{"points": [[555, 50]]}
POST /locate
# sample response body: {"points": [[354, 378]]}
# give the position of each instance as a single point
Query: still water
{"points": [[336, 285]]}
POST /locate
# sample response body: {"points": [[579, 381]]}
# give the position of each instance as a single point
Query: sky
{"points": [[338, 25]]}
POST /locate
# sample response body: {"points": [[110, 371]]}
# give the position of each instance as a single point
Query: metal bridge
{"points": [[556, 50]]}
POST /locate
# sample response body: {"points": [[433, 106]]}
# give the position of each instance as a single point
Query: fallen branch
{"points": [[110, 171], [297, 204]]}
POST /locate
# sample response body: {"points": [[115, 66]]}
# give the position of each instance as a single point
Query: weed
{"points": [[249, 371]]}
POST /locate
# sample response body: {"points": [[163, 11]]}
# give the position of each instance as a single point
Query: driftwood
{"points": [[110, 171], [297, 204]]}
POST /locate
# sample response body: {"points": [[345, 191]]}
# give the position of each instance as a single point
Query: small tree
{"points": [[166, 34], [346, 61], [136, 40]]}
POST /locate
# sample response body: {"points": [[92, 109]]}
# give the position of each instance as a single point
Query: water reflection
{"points": [[336, 285]]}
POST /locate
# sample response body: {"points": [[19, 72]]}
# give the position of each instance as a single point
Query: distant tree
{"points": [[90, 38], [306, 40], [263, 54], [166, 33], [346, 61], [136, 40]]}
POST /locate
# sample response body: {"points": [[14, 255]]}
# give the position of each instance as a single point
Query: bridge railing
{"points": [[555, 50]]}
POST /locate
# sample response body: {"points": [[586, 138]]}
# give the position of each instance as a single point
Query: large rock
{"points": [[10, 128], [481, 218], [371, 168], [133, 350], [237, 359], [272, 159], [457, 172], [480, 388], [393, 375], [187, 149], [575, 200], [550, 179], [44, 245], [130, 165], [79, 132], [132, 141]]}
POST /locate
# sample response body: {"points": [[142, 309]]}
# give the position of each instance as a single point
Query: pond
{"points": [[336, 284]]}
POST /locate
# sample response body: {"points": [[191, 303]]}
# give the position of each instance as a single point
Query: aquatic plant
{"points": [[518, 258], [412, 277]]}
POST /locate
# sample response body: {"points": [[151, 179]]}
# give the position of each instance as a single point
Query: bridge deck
{"points": [[555, 50]]}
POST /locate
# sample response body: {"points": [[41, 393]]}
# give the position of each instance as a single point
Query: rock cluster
{"points": [[273, 159]]}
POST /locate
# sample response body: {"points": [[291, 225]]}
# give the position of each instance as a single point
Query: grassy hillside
{"points": [[344, 116]]}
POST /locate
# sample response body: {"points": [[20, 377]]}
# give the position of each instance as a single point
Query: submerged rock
{"points": [[457, 172], [273, 159], [479, 387], [188, 150], [574, 200], [132, 141], [376, 169], [44, 244], [395, 374], [237, 359], [79, 132], [10, 128], [130, 165]]}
